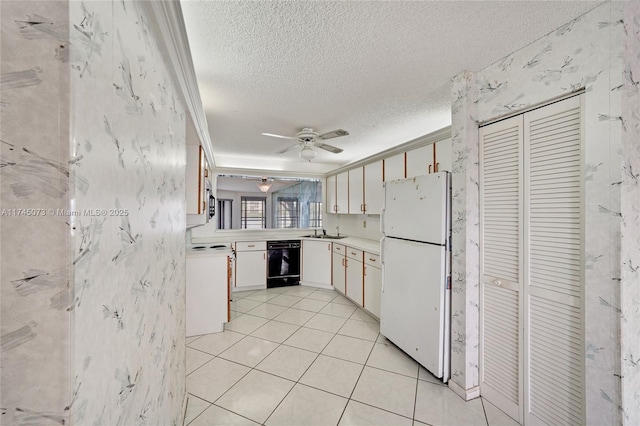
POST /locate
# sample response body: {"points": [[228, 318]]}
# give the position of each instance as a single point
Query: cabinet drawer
{"points": [[251, 245], [354, 253], [339, 248], [372, 259]]}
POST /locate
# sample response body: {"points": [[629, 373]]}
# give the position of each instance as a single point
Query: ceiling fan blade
{"points": [[334, 134], [329, 148], [282, 151], [279, 136]]}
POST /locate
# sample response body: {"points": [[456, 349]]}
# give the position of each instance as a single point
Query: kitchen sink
{"points": [[327, 237]]}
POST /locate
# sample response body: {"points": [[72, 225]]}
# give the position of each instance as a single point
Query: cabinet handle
{"points": [[364, 271], [372, 259], [353, 253], [329, 246], [251, 245], [498, 283], [264, 256], [204, 206], [436, 167], [429, 168]]}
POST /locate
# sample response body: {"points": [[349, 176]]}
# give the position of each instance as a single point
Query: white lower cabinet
{"points": [[354, 271], [339, 268], [207, 295], [316, 262], [372, 283], [251, 265]]}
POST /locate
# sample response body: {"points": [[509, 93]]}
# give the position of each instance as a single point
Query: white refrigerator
{"points": [[416, 264]]}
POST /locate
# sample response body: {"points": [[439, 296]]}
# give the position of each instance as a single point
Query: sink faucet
{"points": [[315, 232], [324, 232], [337, 231]]}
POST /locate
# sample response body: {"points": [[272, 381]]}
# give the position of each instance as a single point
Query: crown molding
{"points": [[167, 21], [429, 139]]}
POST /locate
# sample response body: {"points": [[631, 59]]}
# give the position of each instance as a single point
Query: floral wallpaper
{"points": [[34, 242], [93, 218], [128, 158], [584, 53], [630, 215]]}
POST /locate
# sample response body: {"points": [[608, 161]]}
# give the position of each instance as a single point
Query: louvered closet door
{"points": [[553, 259], [501, 253]]}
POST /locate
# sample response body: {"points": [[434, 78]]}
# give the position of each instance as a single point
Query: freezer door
{"points": [[417, 208], [414, 302]]}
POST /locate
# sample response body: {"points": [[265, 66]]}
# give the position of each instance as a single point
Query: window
{"points": [[253, 212], [287, 212], [225, 211], [315, 214]]}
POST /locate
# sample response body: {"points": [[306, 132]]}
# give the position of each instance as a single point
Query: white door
{"points": [[554, 356], [413, 304], [531, 341], [416, 208], [251, 269], [501, 319]]}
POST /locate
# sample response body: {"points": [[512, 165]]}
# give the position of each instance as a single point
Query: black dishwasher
{"points": [[284, 263]]}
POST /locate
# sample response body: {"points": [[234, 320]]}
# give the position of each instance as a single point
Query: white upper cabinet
{"points": [[394, 167], [373, 189], [342, 193], [330, 199], [444, 155], [356, 190], [419, 161]]}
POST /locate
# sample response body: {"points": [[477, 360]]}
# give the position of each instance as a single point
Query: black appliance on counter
{"points": [[283, 263]]}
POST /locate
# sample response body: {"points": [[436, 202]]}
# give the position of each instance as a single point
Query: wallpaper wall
{"points": [[584, 53], [128, 158], [93, 218], [630, 213], [34, 244]]}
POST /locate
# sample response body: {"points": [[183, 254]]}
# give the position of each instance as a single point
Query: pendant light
{"points": [[264, 186]]}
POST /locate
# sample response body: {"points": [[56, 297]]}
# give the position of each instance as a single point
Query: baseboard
{"points": [[466, 394], [316, 285]]}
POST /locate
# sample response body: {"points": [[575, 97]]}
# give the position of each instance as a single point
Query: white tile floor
{"points": [[306, 356]]}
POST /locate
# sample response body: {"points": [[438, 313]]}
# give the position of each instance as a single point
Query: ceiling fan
{"points": [[308, 139]]}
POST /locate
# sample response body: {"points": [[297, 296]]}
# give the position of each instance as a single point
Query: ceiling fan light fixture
{"points": [[307, 153], [264, 186]]}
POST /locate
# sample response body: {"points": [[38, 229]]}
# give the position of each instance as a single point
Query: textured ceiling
{"points": [[380, 70]]}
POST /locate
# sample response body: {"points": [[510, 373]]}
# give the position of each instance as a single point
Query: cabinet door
{"points": [[373, 189], [330, 200], [444, 155], [356, 190], [354, 281], [372, 289], [394, 167], [251, 269], [419, 160], [316, 262], [339, 272], [342, 193]]}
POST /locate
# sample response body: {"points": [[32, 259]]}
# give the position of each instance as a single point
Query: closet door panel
{"points": [[553, 258], [501, 258]]}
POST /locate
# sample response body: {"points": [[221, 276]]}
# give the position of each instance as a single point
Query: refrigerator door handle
{"points": [[382, 221], [382, 261]]}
